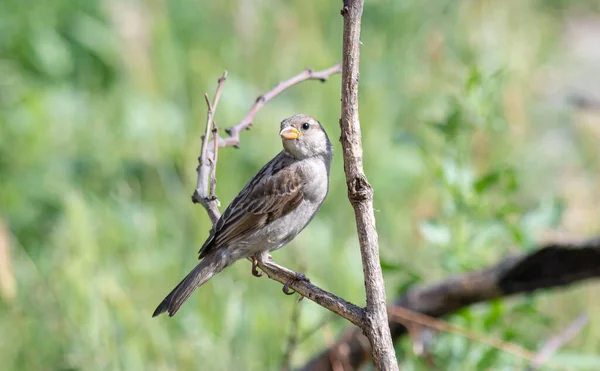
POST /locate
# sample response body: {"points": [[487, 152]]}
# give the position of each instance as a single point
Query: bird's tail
{"points": [[210, 265]]}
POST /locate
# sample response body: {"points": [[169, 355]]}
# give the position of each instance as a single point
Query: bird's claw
{"points": [[286, 288], [255, 271], [299, 277]]}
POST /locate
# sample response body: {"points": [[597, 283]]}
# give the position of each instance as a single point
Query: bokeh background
{"points": [[474, 143]]}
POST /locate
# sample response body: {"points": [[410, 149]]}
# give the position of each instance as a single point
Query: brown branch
{"points": [[557, 341], [551, 266], [351, 312], [246, 122], [360, 194], [209, 200], [201, 193], [204, 161], [406, 316], [213, 165], [584, 102]]}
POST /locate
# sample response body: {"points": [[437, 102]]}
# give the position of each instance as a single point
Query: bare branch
{"points": [[557, 341], [552, 265], [360, 194], [584, 101], [246, 122], [212, 196], [201, 192], [404, 316], [351, 312]]}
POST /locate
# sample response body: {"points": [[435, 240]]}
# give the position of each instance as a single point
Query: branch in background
{"points": [[292, 341], [557, 341], [207, 159], [584, 101], [553, 265], [8, 286], [408, 317], [360, 194]]}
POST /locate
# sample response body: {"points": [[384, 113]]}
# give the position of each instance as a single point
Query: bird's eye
{"points": [[305, 126]]}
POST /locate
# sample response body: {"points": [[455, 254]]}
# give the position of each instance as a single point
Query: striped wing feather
{"points": [[274, 192]]}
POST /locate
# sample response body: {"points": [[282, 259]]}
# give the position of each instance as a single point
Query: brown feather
{"points": [[269, 196]]}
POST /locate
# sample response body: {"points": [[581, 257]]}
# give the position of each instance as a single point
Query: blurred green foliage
{"points": [[101, 111]]}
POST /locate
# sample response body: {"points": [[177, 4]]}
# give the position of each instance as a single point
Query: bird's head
{"points": [[303, 136]]}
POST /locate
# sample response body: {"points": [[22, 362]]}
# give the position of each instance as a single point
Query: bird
{"points": [[270, 211]]}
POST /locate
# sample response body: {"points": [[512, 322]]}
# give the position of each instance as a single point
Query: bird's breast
{"points": [[316, 180]]}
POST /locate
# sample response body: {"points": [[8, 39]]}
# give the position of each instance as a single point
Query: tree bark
{"points": [[360, 194], [207, 169], [551, 266]]}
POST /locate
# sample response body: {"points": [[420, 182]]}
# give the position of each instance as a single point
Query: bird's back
{"points": [[260, 218]]}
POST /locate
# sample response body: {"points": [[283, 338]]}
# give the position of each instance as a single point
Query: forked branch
{"points": [[550, 266], [360, 194], [205, 192], [201, 194]]}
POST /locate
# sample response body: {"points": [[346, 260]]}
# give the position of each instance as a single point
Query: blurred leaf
{"points": [[407, 138], [474, 79], [579, 361], [488, 359], [434, 232], [547, 215], [495, 314], [487, 181], [504, 177], [451, 125], [52, 54]]}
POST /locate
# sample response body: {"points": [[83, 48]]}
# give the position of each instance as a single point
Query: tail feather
{"points": [[208, 267]]}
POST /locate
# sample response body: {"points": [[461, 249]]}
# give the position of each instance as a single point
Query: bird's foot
{"points": [[255, 271], [297, 277]]}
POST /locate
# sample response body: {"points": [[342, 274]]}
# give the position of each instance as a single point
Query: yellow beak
{"points": [[290, 133]]}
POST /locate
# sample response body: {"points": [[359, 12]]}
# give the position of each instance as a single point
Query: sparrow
{"points": [[273, 207]]}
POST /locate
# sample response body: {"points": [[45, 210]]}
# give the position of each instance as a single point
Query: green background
{"points": [[470, 144]]}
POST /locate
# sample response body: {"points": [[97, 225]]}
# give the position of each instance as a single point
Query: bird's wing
{"points": [[274, 192]]}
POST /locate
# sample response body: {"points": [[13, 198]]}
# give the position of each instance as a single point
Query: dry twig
{"points": [[274, 271], [406, 316], [201, 193], [205, 161], [552, 265], [246, 122], [360, 194], [554, 343]]}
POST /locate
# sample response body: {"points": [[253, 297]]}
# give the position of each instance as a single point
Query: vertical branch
{"points": [[8, 286], [206, 170], [292, 341], [360, 194], [212, 196], [204, 162]]}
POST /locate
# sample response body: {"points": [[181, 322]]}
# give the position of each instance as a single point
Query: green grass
{"points": [[101, 111]]}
